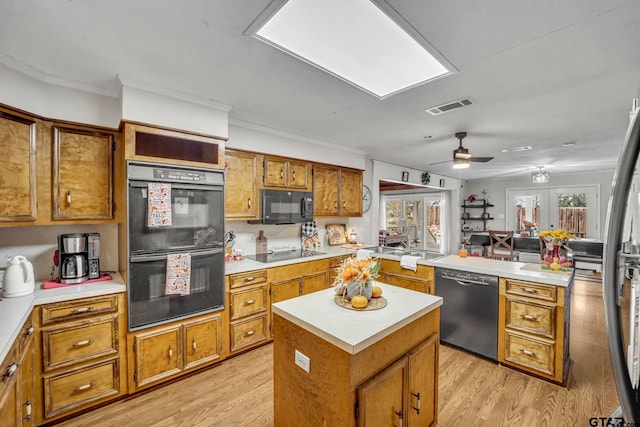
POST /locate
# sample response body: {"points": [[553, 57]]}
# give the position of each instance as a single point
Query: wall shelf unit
{"points": [[475, 216]]}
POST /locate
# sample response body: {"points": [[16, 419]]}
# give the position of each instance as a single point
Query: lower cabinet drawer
{"points": [[67, 391], [536, 318], [530, 353], [78, 343], [248, 332]]}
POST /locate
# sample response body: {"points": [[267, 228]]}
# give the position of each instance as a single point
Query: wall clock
{"points": [[426, 178], [366, 198]]}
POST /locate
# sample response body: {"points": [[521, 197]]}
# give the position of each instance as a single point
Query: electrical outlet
{"points": [[303, 361]]}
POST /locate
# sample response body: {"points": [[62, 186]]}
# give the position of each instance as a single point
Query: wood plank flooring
{"points": [[473, 391]]}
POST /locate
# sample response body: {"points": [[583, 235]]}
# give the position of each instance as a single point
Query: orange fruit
{"points": [[377, 291], [359, 301]]}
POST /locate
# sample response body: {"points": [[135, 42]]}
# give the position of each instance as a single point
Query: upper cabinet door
{"points": [[82, 174], [275, 172], [18, 172], [240, 193], [297, 176], [350, 193], [325, 191]]}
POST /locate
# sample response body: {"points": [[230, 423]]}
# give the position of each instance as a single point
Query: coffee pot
{"points": [[18, 278]]}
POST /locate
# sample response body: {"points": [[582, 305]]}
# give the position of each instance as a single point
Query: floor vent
{"points": [[450, 106]]}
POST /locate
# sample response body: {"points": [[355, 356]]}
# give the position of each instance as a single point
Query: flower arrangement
{"points": [[355, 276], [556, 237], [556, 240], [357, 270]]}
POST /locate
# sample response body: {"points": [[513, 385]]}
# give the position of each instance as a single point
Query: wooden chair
{"points": [[502, 246]]}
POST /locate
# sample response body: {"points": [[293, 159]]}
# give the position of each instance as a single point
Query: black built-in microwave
{"points": [[286, 207]]}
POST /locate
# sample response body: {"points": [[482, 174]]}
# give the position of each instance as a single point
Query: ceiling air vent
{"points": [[448, 107]]}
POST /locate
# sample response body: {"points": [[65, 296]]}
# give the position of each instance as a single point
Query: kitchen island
{"points": [[337, 366]]}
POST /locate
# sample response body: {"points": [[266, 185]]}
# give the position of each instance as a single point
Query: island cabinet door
{"points": [[423, 383], [381, 400]]}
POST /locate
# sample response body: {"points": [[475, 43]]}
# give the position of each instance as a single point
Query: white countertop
{"points": [[507, 269], [351, 330], [15, 311]]}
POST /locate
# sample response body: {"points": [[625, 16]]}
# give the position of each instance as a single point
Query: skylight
{"points": [[354, 40]]}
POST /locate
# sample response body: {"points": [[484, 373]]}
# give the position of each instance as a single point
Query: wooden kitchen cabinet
{"points": [[286, 173], [83, 173], [293, 280], [241, 191], [421, 280], [249, 310], [82, 361], [18, 173], [17, 388], [337, 191], [533, 331], [164, 352], [405, 393]]}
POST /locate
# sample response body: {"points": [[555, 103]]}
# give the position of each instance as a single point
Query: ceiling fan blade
{"points": [[439, 163], [480, 159]]}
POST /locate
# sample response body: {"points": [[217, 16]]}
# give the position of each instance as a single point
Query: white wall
{"points": [[496, 192], [57, 102], [173, 111]]}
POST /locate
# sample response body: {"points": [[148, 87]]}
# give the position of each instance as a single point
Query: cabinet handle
{"points": [[29, 331], [530, 291], [281, 174], [27, 405], [81, 310], [293, 175], [193, 345], [529, 317], [11, 370], [250, 279], [399, 420], [249, 302], [417, 403], [249, 333], [528, 353], [335, 205], [82, 343], [249, 203], [84, 387], [344, 204], [68, 199], [170, 352]]}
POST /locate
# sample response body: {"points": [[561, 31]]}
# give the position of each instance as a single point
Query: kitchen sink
{"points": [[401, 251]]}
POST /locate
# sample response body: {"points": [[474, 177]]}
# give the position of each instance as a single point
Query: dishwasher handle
{"points": [[468, 282]]}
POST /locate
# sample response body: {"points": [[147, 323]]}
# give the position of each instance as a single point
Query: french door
{"points": [[575, 209]]}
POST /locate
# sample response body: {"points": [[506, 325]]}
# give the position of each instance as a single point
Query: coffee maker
{"points": [[79, 257]]}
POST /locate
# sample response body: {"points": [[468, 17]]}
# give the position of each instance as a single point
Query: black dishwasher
{"points": [[469, 312]]}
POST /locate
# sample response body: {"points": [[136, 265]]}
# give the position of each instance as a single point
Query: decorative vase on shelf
{"points": [[360, 288]]}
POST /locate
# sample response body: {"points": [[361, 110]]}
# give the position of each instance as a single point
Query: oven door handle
{"points": [[178, 186], [160, 257]]}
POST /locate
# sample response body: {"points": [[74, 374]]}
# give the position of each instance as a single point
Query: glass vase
{"points": [[360, 288]]}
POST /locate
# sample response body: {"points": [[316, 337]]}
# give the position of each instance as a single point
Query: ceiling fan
{"points": [[461, 156]]}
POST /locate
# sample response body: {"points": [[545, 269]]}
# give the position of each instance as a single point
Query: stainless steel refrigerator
{"points": [[621, 275]]}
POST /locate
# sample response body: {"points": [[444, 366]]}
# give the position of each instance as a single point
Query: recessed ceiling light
{"points": [[509, 150], [358, 41]]}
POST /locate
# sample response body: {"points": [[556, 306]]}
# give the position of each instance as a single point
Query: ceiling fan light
{"points": [[459, 163]]}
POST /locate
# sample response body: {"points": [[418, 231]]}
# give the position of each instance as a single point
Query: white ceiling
{"points": [[539, 73]]}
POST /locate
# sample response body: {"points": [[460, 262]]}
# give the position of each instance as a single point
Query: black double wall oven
{"points": [[175, 233]]}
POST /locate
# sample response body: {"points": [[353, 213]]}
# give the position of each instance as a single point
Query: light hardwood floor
{"points": [[473, 391]]}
